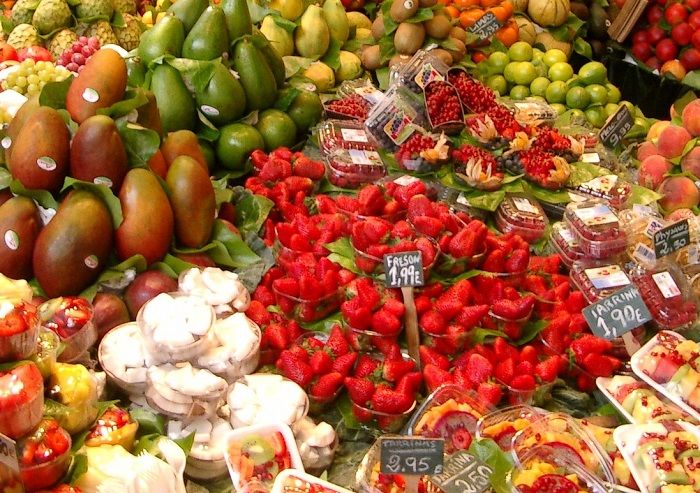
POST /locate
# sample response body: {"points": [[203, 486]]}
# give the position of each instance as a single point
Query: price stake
{"points": [[485, 26], [10, 479], [412, 456], [671, 238], [403, 269], [463, 473], [616, 127], [617, 314]]}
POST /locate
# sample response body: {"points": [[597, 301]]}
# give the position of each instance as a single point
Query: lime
{"points": [[519, 92], [208, 152], [541, 68], [611, 108], [525, 73], [560, 71], [520, 51], [537, 55], [538, 98], [498, 83], [593, 73], [577, 115], [509, 71], [559, 108], [497, 62], [598, 94], [596, 116], [577, 98], [556, 92], [277, 129], [554, 56], [538, 87], [236, 142], [306, 110], [614, 95]]}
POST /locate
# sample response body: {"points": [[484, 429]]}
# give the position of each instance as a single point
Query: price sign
{"points": [[617, 314], [616, 127], [403, 269], [463, 473], [671, 238], [485, 26], [411, 455], [9, 466]]}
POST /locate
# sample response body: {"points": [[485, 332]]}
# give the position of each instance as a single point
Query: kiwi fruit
{"points": [[438, 27], [398, 60], [258, 449], [371, 57], [458, 33], [442, 55], [403, 9], [378, 27], [459, 51], [409, 38]]}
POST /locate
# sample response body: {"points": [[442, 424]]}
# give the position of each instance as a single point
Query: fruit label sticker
{"points": [[485, 26], [11, 240], [597, 215], [568, 237], [399, 127], [616, 127], [426, 75], [46, 163], [209, 110], [672, 238], [91, 261], [403, 269], [370, 93], [9, 463], [610, 276], [463, 472], [103, 180], [617, 314], [590, 157], [668, 287], [365, 158], [653, 226], [6, 142], [524, 205], [90, 95], [644, 254], [353, 135], [411, 455]]}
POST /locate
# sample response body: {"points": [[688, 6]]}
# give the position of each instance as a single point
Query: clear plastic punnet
{"points": [[71, 318], [419, 71], [565, 243], [611, 188], [523, 215], [597, 228], [398, 116], [598, 279], [351, 168], [22, 343], [293, 481], [502, 424], [21, 400], [206, 458], [343, 134]]}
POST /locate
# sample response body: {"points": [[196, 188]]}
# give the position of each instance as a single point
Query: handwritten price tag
{"points": [[403, 269], [485, 26], [671, 238], [616, 127], [463, 473], [9, 466], [617, 314], [411, 455]]}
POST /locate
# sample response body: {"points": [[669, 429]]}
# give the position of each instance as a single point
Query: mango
{"points": [[148, 115], [97, 153], [337, 20], [273, 59], [175, 103], [182, 143], [280, 39], [158, 165], [188, 11], [255, 74], [19, 227], [16, 124], [102, 83], [165, 38], [72, 250], [41, 151], [208, 38], [147, 228], [223, 99], [193, 202]]}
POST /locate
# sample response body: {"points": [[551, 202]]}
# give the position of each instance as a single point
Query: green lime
{"points": [[577, 98], [614, 94], [596, 116], [538, 98], [306, 110], [498, 83], [556, 92], [497, 62], [593, 73], [208, 152], [525, 73], [541, 68], [520, 51], [509, 71], [277, 129], [537, 55], [236, 142], [559, 108], [554, 56], [560, 71], [577, 115], [611, 108], [598, 94], [519, 92], [538, 87]]}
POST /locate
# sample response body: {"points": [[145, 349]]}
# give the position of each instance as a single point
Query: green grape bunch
{"points": [[30, 77]]}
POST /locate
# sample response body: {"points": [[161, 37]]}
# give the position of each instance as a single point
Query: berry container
{"points": [[502, 424], [308, 310], [21, 400], [293, 481], [610, 188], [597, 228], [343, 134], [420, 71], [352, 107], [351, 168], [21, 344], [395, 118], [451, 413], [666, 293], [71, 318], [521, 214], [565, 244], [366, 339], [443, 107], [49, 462], [363, 87], [598, 279]]}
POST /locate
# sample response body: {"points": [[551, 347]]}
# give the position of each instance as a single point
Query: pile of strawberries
{"points": [[310, 233], [371, 308], [278, 332]]}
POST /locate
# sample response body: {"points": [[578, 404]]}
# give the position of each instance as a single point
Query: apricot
{"points": [[672, 141], [646, 149], [656, 129], [680, 214], [691, 162], [691, 117], [652, 171], [679, 192]]}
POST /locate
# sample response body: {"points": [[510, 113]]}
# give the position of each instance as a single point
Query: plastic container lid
{"points": [[521, 214], [611, 188], [565, 244], [419, 71], [598, 279], [343, 134], [350, 168], [502, 424], [395, 118], [597, 228]]}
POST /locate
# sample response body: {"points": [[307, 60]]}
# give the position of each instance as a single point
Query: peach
{"points": [[691, 162], [656, 129], [652, 171], [672, 141], [645, 150], [679, 192], [691, 117], [680, 214]]}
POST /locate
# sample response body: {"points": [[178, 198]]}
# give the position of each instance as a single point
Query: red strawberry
{"points": [[367, 292], [264, 295], [420, 206], [600, 365], [490, 393], [548, 369], [395, 307], [433, 323], [321, 362], [463, 291], [286, 286], [471, 316], [463, 244], [449, 305], [523, 382], [295, 369], [344, 364], [402, 230], [504, 350], [495, 261], [275, 337], [258, 313], [283, 153], [429, 226], [587, 344], [410, 383], [390, 401], [435, 376], [486, 352], [294, 330], [429, 356], [326, 386], [528, 353], [577, 324], [403, 193], [371, 200], [336, 342], [275, 170], [345, 276], [309, 168], [385, 323], [524, 368], [556, 334], [479, 369], [360, 390], [366, 365], [517, 262], [514, 310], [427, 250], [258, 158], [299, 353], [535, 284], [505, 371], [376, 230], [359, 317], [298, 184], [309, 288], [394, 370]]}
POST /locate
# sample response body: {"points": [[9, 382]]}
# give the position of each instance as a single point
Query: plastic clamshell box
{"points": [[293, 481], [644, 365], [351, 168], [647, 476], [568, 439], [565, 244], [502, 424], [393, 120], [264, 430], [343, 134], [419, 71], [597, 228], [523, 215], [598, 279], [611, 188]]}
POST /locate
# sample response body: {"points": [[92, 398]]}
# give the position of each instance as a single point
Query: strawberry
{"points": [[461, 378], [463, 244], [514, 310], [344, 364], [366, 366], [294, 330], [309, 288], [427, 250], [264, 295], [503, 350], [495, 261], [419, 206], [390, 401], [358, 317], [298, 184], [435, 376], [535, 284], [587, 344], [479, 369], [490, 393], [576, 302], [395, 307], [309, 168], [523, 382], [337, 343], [321, 363], [376, 230], [385, 323], [556, 334], [524, 368], [275, 170], [275, 337], [449, 305], [528, 353], [433, 323], [371, 200], [402, 230], [299, 353], [578, 323], [295, 369], [258, 158], [486, 352], [429, 226], [367, 292], [505, 371], [286, 286], [258, 313], [471, 316], [345, 276], [429, 356], [360, 390], [600, 365], [283, 153], [410, 383], [517, 262], [403, 193], [394, 370], [326, 386], [464, 291], [548, 369]]}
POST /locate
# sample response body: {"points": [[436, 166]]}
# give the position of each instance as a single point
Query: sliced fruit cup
{"points": [[126, 369], [71, 318], [344, 134], [306, 310], [523, 215], [47, 348], [502, 424], [293, 481], [44, 456], [353, 168], [543, 470], [369, 479], [448, 343], [21, 327], [21, 399], [367, 340], [286, 257], [563, 242], [256, 454], [452, 413], [597, 228], [568, 440]]}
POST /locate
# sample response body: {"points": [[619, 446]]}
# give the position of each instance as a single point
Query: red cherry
{"points": [[653, 63], [696, 38], [641, 51], [690, 58], [681, 33], [675, 14], [656, 34], [666, 50], [694, 19], [654, 14], [693, 5], [640, 37]]}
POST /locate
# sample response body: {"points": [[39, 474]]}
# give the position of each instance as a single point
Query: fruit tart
{"points": [[70, 318], [114, 427], [501, 425], [44, 455], [19, 323], [21, 399], [477, 168]]}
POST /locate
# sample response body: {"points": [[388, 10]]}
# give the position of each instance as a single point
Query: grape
{"points": [[83, 39], [21, 81], [33, 79], [94, 43], [78, 58], [33, 89], [87, 51], [73, 67], [11, 79]]}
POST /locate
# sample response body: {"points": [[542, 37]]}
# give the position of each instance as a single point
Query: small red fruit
{"points": [[695, 39], [690, 59], [666, 50], [656, 34], [653, 63], [654, 14], [681, 33], [694, 19], [640, 37], [641, 51], [675, 14], [7, 52]]}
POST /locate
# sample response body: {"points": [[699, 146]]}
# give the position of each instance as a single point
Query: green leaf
{"points": [[133, 99], [530, 331], [585, 172], [583, 48], [332, 56], [149, 422], [56, 410], [177, 265], [643, 196], [386, 48], [500, 463], [251, 210], [207, 130], [42, 197], [186, 443], [285, 24], [683, 101], [147, 443], [286, 101], [115, 275], [240, 253], [5, 178], [294, 65], [325, 325], [140, 143], [421, 15], [389, 25], [103, 192], [78, 467], [356, 44], [54, 94], [344, 406], [447, 44], [479, 335], [383, 77]]}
